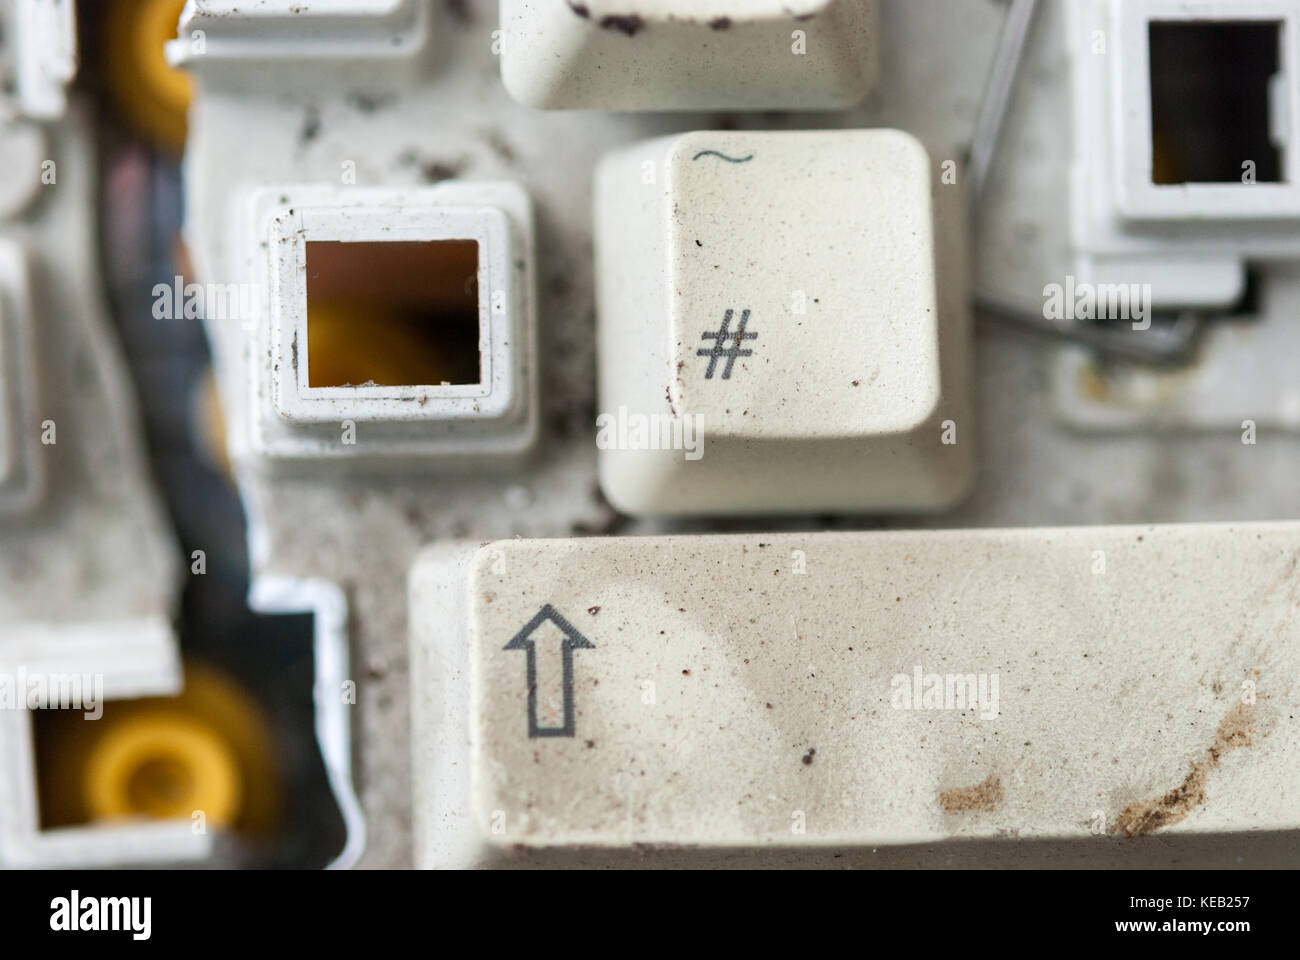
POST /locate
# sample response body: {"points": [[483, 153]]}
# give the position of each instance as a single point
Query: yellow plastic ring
{"points": [[161, 766]]}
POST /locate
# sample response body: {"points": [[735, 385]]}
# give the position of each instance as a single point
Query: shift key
{"points": [[825, 699]]}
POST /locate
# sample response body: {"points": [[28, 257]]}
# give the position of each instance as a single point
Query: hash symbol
{"points": [[722, 336]]}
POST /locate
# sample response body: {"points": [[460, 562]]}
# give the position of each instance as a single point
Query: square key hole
{"points": [[1210, 110], [393, 314]]}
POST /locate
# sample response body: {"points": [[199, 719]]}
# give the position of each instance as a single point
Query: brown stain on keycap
{"points": [[1173, 806], [981, 797]]}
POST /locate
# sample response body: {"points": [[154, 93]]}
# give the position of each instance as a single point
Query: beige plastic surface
{"points": [[750, 698], [689, 54], [846, 388]]}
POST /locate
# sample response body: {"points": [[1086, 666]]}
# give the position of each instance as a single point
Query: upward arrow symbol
{"points": [[573, 640]]}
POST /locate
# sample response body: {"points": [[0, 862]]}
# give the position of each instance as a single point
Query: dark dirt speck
{"points": [[310, 129], [437, 170], [460, 11], [628, 24]]}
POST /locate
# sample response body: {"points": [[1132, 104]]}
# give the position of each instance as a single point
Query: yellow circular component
{"points": [[153, 95], [210, 748], [163, 767]]}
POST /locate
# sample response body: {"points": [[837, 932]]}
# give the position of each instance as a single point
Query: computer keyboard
{"points": [[588, 433]]}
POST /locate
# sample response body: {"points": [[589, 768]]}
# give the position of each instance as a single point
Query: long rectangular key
{"points": [[845, 697]]}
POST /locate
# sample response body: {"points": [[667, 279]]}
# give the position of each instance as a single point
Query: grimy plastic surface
{"points": [[781, 325], [689, 54], [772, 697]]}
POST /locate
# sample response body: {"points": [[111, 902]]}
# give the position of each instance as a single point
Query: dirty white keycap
{"points": [[781, 325], [832, 698], [689, 54]]}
